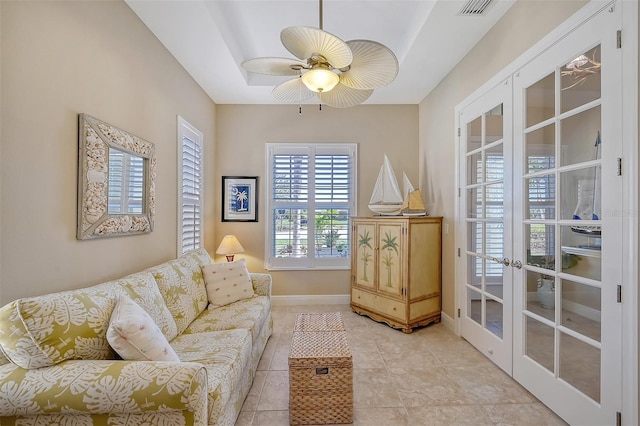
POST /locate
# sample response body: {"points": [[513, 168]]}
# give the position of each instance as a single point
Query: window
{"points": [[311, 196], [190, 197]]}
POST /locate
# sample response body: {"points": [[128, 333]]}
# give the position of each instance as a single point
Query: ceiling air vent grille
{"points": [[474, 7]]}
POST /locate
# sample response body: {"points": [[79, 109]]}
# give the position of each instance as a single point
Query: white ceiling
{"points": [[211, 38]]}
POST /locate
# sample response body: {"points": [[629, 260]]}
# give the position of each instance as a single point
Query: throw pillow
{"points": [[134, 336], [227, 282]]}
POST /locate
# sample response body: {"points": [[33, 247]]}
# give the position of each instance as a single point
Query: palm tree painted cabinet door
{"points": [[395, 270]]}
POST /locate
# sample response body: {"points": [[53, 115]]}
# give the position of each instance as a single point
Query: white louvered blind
{"points": [[190, 187], [126, 183], [311, 195], [494, 209]]}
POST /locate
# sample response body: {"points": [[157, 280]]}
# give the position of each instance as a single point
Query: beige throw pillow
{"points": [[227, 282], [134, 335]]}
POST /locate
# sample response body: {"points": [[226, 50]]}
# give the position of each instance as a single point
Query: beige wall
{"points": [[520, 28], [64, 58], [242, 131]]}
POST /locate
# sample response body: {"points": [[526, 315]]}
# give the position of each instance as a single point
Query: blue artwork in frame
{"points": [[239, 198]]}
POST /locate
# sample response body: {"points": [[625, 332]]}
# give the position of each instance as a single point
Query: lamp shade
{"points": [[229, 247], [320, 79]]}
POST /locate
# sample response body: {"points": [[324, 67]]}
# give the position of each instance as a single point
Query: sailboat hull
{"points": [[389, 209]]}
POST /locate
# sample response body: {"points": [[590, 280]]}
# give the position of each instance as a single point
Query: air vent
{"points": [[474, 7]]}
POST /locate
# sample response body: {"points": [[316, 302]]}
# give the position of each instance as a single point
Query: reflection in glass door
{"points": [[485, 128], [566, 135]]}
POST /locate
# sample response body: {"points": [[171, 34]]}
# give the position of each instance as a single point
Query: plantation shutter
{"points": [[190, 199]]}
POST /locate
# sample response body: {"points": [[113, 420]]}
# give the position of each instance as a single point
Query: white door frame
{"points": [[631, 184]]}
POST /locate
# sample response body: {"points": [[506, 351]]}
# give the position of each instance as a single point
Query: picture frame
{"points": [[239, 198]]}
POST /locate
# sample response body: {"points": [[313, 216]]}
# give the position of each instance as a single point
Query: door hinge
{"points": [[619, 166], [458, 251], [458, 131], [618, 418], [618, 40], [458, 312], [619, 294], [459, 192]]}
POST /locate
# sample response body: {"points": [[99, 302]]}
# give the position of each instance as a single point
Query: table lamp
{"points": [[229, 247]]}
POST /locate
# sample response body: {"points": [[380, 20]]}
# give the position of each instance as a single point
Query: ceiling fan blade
{"points": [[343, 96], [273, 66], [304, 42], [374, 65], [292, 91]]}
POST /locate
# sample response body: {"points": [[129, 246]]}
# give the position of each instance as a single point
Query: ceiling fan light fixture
{"points": [[320, 79]]}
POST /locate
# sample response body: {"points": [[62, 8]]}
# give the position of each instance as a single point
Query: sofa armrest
{"points": [[261, 284], [104, 387]]}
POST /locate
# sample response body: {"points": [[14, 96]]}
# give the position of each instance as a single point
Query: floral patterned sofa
{"points": [[58, 364]]}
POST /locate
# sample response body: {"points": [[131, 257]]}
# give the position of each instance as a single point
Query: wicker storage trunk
{"points": [[320, 378]]}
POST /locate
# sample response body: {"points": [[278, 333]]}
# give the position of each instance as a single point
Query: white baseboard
{"points": [[448, 322], [316, 299]]}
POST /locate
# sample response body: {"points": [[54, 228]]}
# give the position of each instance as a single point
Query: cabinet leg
{"points": [[407, 330]]}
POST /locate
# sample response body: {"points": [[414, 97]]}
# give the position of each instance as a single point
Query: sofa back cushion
{"points": [[45, 330], [142, 289], [182, 286]]}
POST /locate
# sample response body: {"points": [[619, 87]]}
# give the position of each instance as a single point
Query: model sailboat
{"points": [[589, 204], [413, 203], [386, 199]]}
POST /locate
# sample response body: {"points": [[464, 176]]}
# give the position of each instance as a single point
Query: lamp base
{"points": [[230, 257]]}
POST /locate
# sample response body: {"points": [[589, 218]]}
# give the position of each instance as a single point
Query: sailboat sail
{"points": [[386, 198]]}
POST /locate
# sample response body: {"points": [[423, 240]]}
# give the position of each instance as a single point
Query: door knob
{"points": [[516, 264], [505, 261]]}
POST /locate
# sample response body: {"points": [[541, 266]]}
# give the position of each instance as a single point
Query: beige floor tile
{"points": [[245, 418], [251, 401], [271, 418], [380, 416], [535, 414], [374, 388], [449, 415], [428, 386], [487, 384], [275, 392]]}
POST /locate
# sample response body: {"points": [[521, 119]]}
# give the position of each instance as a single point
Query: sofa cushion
{"points": [[249, 314], [182, 287], [45, 330], [225, 355], [134, 336], [141, 287], [227, 282]]}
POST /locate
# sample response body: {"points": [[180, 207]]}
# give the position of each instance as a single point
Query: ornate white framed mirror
{"points": [[116, 181]]}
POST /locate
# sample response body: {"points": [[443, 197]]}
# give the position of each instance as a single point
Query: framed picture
{"points": [[239, 198]]}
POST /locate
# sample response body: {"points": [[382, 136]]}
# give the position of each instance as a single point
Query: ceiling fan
{"points": [[342, 74]]}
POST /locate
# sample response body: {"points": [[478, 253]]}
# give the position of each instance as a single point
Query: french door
{"points": [[485, 129], [540, 268], [567, 141]]}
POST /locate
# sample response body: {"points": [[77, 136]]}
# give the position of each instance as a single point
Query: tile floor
{"points": [[429, 377]]}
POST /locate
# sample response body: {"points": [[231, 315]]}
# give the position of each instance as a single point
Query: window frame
{"points": [[189, 132], [307, 263]]}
